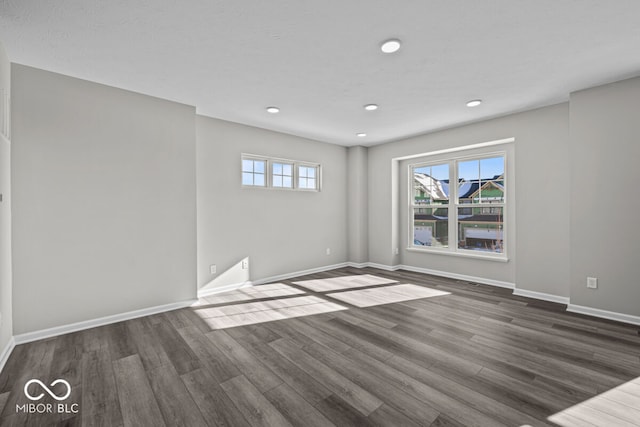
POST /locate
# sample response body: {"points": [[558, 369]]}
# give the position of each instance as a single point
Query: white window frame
{"points": [[454, 205], [313, 166], [266, 172], [295, 164], [272, 174]]}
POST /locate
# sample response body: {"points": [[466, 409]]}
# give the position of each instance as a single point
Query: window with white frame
{"points": [[458, 205], [308, 177], [254, 172], [281, 175], [268, 172]]}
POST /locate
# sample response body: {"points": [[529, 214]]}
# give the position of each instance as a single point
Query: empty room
{"points": [[382, 213]]}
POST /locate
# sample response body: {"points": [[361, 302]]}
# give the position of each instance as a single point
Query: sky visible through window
{"points": [[484, 169]]}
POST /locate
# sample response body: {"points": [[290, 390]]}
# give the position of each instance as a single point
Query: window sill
{"points": [[465, 254]]}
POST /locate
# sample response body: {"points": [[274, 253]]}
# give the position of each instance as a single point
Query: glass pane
{"points": [[302, 182], [287, 182], [431, 227], [247, 165], [247, 178], [311, 172], [286, 170], [311, 183], [277, 168], [481, 229], [481, 181], [469, 181], [302, 171], [277, 181], [258, 179], [431, 184], [258, 166], [492, 175]]}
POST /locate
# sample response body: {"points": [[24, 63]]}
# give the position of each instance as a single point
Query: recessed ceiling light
{"points": [[390, 46], [273, 110], [474, 103], [371, 107], [361, 135]]}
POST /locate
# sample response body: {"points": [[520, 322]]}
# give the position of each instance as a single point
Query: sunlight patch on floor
{"points": [[273, 290], [251, 313], [345, 282], [386, 295], [618, 407]]}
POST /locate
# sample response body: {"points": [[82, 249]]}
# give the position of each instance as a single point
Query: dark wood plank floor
{"points": [[471, 355]]}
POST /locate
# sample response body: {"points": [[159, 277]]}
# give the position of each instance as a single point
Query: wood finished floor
{"points": [[466, 355]]}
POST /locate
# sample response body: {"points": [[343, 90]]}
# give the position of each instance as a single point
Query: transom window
{"points": [[267, 172], [282, 175], [253, 172], [307, 177], [458, 205]]}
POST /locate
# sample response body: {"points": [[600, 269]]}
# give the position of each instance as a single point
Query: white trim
{"points": [[465, 253], [383, 267], [541, 296], [611, 315], [7, 352], [101, 321], [285, 276], [358, 264], [464, 277], [456, 149], [456, 276], [226, 288]]}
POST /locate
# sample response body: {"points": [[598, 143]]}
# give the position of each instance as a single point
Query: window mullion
{"points": [[453, 206]]}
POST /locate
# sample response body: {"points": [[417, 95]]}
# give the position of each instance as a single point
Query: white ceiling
{"points": [[320, 62]]}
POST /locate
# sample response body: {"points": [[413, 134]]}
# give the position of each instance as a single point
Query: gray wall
{"points": [[6, 326], [538, 257], [104, 208], [605, 236], [278, 231], [358, 194]]}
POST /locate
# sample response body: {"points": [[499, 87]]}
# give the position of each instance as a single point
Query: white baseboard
{"points": [[101, 321], [456, 276], [225, 288], [541, 296], [4, 356], [383, 267], [611, 315], [234, 286], [358, 264], [299, 273]]}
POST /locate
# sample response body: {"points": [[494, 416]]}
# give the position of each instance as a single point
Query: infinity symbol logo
{"points": [[47, 389]]}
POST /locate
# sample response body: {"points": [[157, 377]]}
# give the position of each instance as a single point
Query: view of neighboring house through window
{"points": [[253, 172], [469, 212], [431, 206]]}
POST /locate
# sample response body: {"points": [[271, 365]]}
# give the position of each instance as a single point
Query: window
{"points": [[459, 200], [274, 173], [282, 175], [307, 177], [253, 172]]}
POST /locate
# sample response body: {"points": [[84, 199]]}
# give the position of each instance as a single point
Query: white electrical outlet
{"points": [[245, 264], [397, 251], [592, 282], [328, 251], [213, 269]]}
